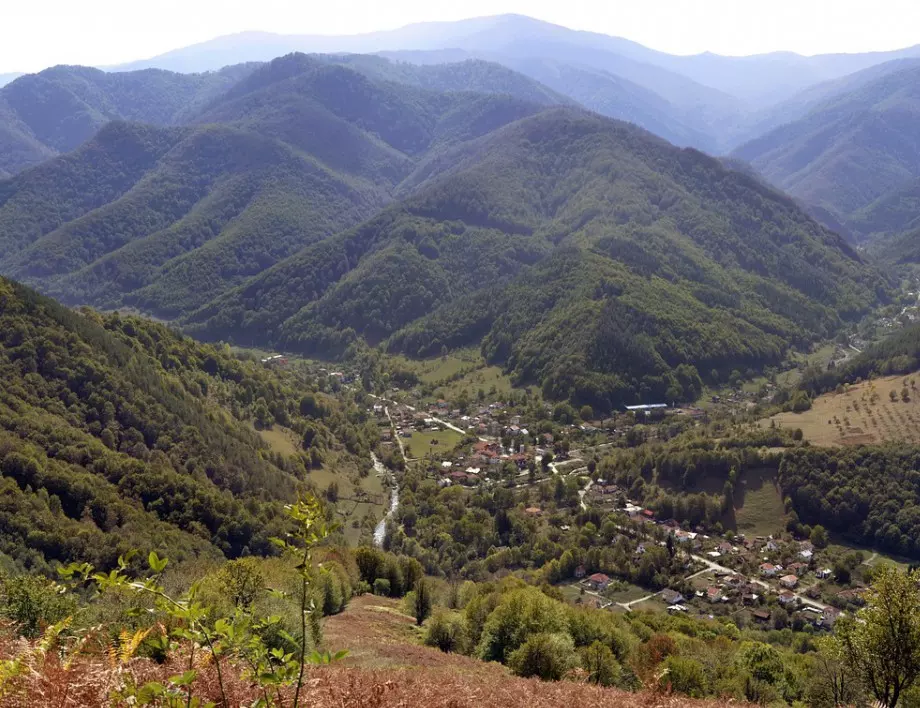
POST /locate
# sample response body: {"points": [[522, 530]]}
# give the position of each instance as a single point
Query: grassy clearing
{"points": [[759, 507], [461, 372], [873, 558], [864, 413], [281, 440], [433, 442], [653, 605], [628, 593]]}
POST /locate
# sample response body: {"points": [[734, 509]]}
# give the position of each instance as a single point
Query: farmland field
{"points": [[440, 441], [864, 413], [759, 507]]}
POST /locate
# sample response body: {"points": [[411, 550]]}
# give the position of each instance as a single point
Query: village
{"points": [[773, 581]]}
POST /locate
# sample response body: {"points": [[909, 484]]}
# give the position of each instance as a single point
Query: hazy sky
{"points": [[39, 33]]}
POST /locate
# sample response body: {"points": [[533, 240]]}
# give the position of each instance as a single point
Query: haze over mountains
{"points": [[718, 97]]}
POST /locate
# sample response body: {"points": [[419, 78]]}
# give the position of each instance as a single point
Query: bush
{"points": [[601, 665], [33, 602], [447, 632], [684, 676], [548, 656], [382, 587]]}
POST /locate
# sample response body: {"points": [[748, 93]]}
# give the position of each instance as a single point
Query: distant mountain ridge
{"points": [[853, 152], [751, 78], [59, 109]]}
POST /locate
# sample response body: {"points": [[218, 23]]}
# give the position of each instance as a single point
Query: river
{"points": [[381, 529]]}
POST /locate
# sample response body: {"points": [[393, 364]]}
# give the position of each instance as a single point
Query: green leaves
{"points": [[156, 564]]}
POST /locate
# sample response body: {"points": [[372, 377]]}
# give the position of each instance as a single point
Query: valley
{"points": [[486, 362]]}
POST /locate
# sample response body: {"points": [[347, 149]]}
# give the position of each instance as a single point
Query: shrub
{"points": [[447, 632], [548, 656], [601, 665], [684, 676], [33, 602], [382, 587]]}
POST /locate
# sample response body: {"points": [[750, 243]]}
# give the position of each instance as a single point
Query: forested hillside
{"points": [[58, 109], [582, 254], [166, 219], [118, 434], [855, 148]]}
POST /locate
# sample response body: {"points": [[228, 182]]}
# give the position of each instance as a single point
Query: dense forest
{"points": [[869, 494], [580, 254], [116, 433]]}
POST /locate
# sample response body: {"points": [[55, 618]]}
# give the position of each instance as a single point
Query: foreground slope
{"points": [[117, 434], [580, 253]]}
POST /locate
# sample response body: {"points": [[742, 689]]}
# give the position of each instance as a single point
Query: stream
{"points": [[381, 529]]}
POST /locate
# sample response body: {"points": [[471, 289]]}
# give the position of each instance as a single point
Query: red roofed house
{"points": [[598, 581], [768, 570], [789, 581]]}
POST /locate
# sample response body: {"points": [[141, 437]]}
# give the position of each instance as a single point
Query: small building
{"points": [[787, 598], [580, 572], [768, 570], [806, 554], [824, 573], [714, 594], [598, 582], [671, 597], [789, 581], [761, 615], [829, 616]]}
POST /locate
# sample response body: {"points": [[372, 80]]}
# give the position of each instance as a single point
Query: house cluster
{"points": [[485, 459]]}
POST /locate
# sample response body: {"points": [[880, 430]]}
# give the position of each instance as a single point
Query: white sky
{"points": [[35, 34]]}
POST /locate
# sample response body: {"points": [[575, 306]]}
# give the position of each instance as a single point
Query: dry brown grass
{"points": [[387, 669], [864, 414]]}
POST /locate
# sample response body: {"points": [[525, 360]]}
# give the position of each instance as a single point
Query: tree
{"points": [[600, 663], [830, 682], [586, 412], [548, 656], [521, 614], [422, 604], [882, 643], [446, 631], [818, 536]]}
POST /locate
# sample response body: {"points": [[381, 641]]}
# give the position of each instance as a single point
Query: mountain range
{"points": [[315, 201], [717, 100]]}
